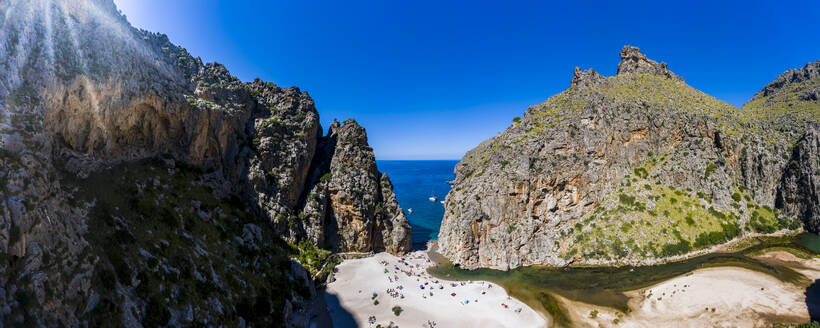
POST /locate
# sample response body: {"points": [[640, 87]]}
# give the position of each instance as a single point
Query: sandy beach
{"points": [[714, 297], [397, 282]]}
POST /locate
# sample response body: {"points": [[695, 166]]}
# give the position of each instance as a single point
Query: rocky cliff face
{"points": [[633, 168], [789, 106], [139, 185]]}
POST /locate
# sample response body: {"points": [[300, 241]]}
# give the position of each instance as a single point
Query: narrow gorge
{"points": [[142, 186]]}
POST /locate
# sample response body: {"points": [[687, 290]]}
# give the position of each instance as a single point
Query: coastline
{"points": [[372, 286], [741, 297]]}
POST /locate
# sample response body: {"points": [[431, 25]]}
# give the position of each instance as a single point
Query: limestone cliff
{"points": [[635, 168], [141, 186], [351, 205]]}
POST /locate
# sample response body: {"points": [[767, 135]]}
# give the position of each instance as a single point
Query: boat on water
{"points": [[410, 210], [442, 202], [433, 198]]}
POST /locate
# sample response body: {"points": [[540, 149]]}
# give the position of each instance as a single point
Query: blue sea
{"points": [[414, 182]]}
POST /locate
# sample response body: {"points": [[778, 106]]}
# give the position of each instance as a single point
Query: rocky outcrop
{"points": [[635, 168], [809, 72], [799, 193], [586, 77], [633, 61], [352, 206], [140, 185]]}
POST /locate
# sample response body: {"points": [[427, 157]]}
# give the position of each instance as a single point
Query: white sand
{"points": [[739, 297], [350, 297]]}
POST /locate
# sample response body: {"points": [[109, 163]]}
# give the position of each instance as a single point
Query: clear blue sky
{"points": [[432, 79]]}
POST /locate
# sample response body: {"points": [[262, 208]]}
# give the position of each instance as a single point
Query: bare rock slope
{"points": [[140, 186], [636, 168]]}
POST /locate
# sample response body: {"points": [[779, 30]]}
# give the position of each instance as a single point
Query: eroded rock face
{"points": [[633, 61], [799, 193], [586, 77], [634, 168], [809, 72], [352, 205], [83, 94]]}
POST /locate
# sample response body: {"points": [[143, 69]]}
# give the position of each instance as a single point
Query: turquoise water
{"points": [[414, 182]]}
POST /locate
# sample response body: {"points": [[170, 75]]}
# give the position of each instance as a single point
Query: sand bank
{"points": [[714, 297]]}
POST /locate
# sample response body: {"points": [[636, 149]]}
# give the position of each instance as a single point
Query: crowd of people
{"points": [[415, 267], [361, 288]]}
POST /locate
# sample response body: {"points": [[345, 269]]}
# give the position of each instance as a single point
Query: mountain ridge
{"points": [[634, 168], [141, 186]]}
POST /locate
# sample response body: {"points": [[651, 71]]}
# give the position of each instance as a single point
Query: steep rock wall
{"points": [[634, 168], [179, 240]]}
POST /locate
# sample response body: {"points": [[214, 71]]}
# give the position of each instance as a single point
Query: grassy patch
{"points": [[671, 222]]}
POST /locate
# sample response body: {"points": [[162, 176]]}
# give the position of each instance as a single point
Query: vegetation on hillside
{"points": [[162, 232], [644, 219]]}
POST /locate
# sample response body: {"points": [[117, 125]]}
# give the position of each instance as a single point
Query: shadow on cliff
{"points": [[813, 300], [341, 317]]}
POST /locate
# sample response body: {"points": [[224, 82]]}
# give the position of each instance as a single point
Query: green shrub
{"points": [[310, 256], [626, 199], [326, 177], [641, 172], [709, 170], [716, 213], [397, 310], [736, 197], [707, 239], [682, 247], [516, 119]]}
